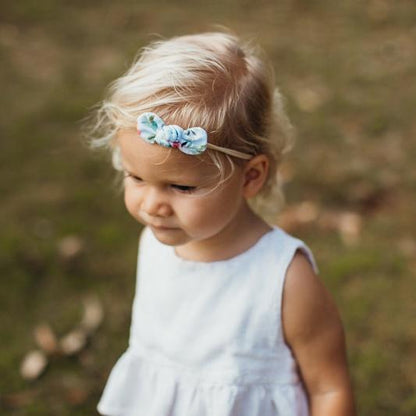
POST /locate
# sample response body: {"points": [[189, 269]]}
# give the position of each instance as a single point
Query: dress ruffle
{"points": [[138, 387]]}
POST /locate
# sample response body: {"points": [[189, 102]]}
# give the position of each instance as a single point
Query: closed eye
{"points": [[180, 188], [135, 178], [183, 188]]}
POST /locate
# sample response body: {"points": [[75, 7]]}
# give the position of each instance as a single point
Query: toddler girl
{"points": [[229, 317]]}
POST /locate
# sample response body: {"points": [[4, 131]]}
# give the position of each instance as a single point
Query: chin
{"points": [[170, 237]]}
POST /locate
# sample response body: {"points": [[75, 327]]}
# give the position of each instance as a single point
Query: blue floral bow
{"points": [[152, 129]]}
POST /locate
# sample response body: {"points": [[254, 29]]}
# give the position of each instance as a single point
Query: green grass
{"points": [[355, 152]]}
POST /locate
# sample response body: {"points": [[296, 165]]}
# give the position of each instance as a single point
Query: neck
{"points": [[241, 234]]}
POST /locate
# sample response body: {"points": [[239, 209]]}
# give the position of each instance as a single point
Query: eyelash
{"points": [[135, 178], [181, 188], [184, 188]]}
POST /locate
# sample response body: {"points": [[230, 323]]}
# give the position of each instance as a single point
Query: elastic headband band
{"points": [[192, 141]]}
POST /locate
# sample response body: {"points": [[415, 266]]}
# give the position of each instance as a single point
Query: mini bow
{"points": [[152, 129]]}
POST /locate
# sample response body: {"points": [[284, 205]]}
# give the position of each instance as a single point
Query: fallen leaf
{"points": [[310, 97], [70, 247], [349, 227], [45, 338], [33, 365], [74, 341], [93, 314], [298, 215]]}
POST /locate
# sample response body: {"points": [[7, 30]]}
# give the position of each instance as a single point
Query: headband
{"points": [[192, 141]]}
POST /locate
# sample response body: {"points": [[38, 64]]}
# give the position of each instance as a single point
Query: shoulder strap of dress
{"points": [[290, 246]]}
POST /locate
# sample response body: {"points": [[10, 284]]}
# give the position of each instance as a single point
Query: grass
{"points": [[355, 152]]}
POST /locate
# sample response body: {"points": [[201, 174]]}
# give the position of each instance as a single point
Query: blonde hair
{"points": [[209, 80]]}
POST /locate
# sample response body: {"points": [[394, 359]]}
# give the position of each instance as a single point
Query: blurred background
{"points": [[68, 248]]}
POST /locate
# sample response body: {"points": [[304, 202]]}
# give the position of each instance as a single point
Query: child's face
{"points": [[178, 196]]}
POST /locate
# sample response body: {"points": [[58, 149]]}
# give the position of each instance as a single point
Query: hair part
{"points": [[209, 80]]}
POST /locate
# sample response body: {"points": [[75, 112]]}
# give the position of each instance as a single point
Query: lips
{"points": [[161, 227]]}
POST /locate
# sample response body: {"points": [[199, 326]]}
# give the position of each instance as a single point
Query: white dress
{"points": [[206, 338]]}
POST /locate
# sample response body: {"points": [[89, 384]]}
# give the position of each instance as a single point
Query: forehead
{"points": [[140, 157]]}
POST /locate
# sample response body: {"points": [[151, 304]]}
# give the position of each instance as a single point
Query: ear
{"points": [[255, 175]]}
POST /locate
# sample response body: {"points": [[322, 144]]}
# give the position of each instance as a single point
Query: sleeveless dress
{"points": [[206, 338]]}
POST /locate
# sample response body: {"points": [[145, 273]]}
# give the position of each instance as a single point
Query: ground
{"points": [[347, 70]]}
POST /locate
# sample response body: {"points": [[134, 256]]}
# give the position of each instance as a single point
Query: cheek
{"points": [[210, 212], [223, 208], [131, 201]]}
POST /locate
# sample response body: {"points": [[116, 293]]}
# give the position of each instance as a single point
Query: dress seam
{"points": [[201, 380]]}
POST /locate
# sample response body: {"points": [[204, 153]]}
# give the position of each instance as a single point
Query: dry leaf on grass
{"points": [[93, 314], [297, 215], [73, 342], [348, 224], [35, 362], [33, 365], [349, 227], [70, 247], [45, 338], [311, 97]]}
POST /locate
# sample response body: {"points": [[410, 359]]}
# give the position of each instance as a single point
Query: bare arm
{"points": [[314, 332]]}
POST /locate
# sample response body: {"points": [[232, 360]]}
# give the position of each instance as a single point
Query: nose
{"points": [[156, 204]]}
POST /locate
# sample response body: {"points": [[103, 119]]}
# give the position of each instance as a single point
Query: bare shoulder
{"points": [[314, 332], [308, 308]]}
